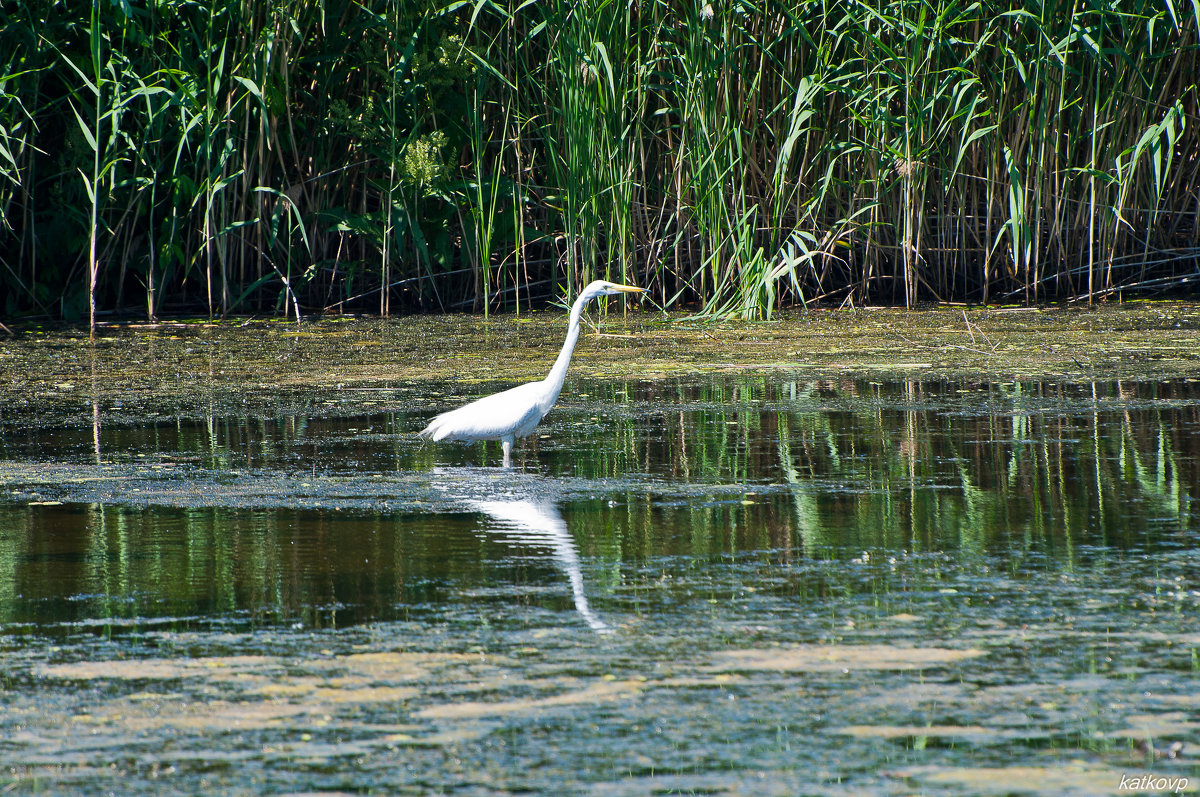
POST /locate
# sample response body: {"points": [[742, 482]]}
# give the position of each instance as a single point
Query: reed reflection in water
{"points": [[338, 518], [837, 585]]}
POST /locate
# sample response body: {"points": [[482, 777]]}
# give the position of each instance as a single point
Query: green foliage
{"points": [[732, 155], [423, 162]]}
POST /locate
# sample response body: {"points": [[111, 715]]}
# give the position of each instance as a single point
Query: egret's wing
{"points": [[513, 412]]}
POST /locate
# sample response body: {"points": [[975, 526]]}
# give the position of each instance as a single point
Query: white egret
{"points": [[516, 412]]}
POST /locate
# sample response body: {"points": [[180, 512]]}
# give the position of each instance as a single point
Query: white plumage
{"points": [[516, 412]]}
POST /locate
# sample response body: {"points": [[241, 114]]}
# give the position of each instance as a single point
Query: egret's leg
{"points": [[507, 444]]}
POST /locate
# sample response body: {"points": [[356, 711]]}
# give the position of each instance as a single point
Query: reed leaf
{"points": [[733, 157]]}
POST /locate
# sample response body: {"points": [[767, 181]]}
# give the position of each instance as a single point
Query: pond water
{"points": [[732, 584]]}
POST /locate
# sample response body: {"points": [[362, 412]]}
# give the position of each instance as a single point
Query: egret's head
{"points": [[605, 288]]}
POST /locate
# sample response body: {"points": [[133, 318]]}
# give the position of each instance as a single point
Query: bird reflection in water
{"points": [[539, 524]]}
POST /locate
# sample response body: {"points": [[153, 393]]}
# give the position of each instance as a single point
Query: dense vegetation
{"points": [[298, 156]]}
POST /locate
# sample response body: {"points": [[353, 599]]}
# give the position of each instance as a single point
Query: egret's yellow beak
{"points": [[628, 289]]}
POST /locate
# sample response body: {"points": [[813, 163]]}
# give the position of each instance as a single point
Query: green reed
{"points": [[301, 157]]}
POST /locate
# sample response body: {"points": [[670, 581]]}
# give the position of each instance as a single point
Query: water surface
{"points": [[720, 584]]}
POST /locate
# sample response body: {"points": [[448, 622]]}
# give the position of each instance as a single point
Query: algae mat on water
{"points": [[193, 362]]}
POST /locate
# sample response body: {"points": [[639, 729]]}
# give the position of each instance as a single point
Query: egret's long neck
{"points": [[559, 372]]}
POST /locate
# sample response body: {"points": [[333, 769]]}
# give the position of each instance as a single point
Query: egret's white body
{"points": [[515, 413]]}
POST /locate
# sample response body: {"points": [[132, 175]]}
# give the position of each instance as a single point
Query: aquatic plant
{"points": [[385, 155]]}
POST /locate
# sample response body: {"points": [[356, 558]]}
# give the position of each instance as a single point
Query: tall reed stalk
{"points": [[734, 157]]}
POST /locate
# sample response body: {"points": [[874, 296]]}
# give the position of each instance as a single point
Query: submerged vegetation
{"points": [[390, 155]]}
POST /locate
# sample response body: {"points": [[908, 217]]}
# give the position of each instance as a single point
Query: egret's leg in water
{"points": [[507, 444]]}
